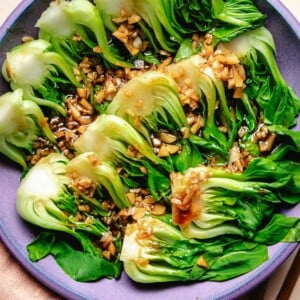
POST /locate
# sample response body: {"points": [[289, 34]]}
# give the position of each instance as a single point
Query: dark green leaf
{"points": [[83, 266], [41, 246], [185, 50], [189, 157], [235, 262], [158, 183], [279, 227]]}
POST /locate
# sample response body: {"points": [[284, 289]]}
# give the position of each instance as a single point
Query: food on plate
{"points": [[155, 137]]}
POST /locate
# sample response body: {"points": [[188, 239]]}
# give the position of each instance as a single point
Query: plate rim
{"points": [[285, 251], [287, 15], [276, 4]]}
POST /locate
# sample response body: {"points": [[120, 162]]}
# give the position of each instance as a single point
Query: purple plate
{"points": [[16, 234]]}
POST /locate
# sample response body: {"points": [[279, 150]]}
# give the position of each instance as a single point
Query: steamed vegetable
{"points": [[101, 173], [235, 17], [113, 139], [209, 201], [172, 22], [80, 266], [64, 19], [149, 102], [109, 137], [265, 84], [52, 205], [154, 19], [110, 10], [280, 143], [175, 152], [208, 90], [154, 251], [21, 122], [38, 70], [288, 142]]}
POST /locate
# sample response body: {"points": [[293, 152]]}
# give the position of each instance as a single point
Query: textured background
{"points": [[16, 284]]}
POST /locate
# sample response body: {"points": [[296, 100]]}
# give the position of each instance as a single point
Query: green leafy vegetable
{"points": [[51, 204], [21, 122], [171, 22], [34, 67], [102, 173], [63, 19], [208, 89], [236, 16], [154, 251], [266, 86], [110, 10], [80, 266], [279, 229], [116, 145], [110, 129], [149, 101], [181, 153], [153, 14], [209, 202], [288, 142]]}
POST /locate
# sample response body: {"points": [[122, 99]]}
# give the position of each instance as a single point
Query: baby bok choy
{"points": [[21, 123], [110, 10], [234, 17], [211, 201], [63, 19], [113, 139], [224, 20], [45, 199], [102, 173], [154, 24], [213, 103], [109, 137], [39, 71], [265, 83], [155, 251], [167, 23], [149, 102], [287, 143]]}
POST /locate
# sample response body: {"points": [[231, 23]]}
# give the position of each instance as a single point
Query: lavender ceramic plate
{"points": [[16, 234]]}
